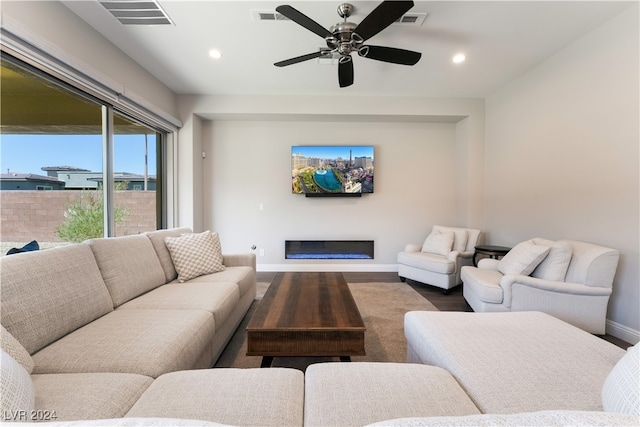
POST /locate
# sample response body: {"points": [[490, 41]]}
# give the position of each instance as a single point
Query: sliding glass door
{"points": [[55, 142]]}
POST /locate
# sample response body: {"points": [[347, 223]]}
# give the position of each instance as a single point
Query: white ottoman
{"points": [[514, 362]]}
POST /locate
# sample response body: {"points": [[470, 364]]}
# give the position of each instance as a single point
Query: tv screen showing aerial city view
{"points": [[331, 170]]}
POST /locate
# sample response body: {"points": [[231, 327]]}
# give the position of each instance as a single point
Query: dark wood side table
{"points": [[491, 251]]}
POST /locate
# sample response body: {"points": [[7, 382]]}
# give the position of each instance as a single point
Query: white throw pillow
{"points": [[460, 237], [460, 240], [195, 254], [438, 242], [18, 398], [556, 263], [523, 258], [621, 392]]}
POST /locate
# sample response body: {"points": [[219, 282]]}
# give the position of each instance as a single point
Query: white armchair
{"points": [[439, 260], [567, 279]]}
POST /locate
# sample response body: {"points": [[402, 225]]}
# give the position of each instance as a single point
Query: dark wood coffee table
{"points": [[306, 314]]}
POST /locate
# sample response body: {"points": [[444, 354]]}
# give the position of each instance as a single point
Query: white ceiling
{"points": [[501, 39]]}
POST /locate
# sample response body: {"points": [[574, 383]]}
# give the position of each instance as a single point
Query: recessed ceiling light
{"points": [[459, 58], [215, 54]]}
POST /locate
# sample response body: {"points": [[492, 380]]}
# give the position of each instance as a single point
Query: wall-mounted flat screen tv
{"points": [[332, 170]]}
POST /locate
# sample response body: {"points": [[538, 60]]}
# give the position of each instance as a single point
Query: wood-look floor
{"points": [[453, 301]]}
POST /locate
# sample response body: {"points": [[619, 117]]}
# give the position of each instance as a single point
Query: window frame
{"points": [[22, 48]]}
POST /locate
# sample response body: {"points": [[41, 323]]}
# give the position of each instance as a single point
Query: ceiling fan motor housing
{"points": [[344, 40]]}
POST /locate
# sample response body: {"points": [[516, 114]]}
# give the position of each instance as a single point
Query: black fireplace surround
{"points": [[328, 249]]}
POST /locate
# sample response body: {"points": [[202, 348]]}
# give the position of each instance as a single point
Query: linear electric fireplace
{"points": [[328, 249]]}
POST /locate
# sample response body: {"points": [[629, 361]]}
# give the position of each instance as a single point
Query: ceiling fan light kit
{"points": [[345, 37]]}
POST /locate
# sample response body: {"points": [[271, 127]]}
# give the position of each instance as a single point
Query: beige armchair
{"points": [[437, 262], [567, 279]]}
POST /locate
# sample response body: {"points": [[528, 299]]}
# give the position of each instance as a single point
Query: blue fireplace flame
{"points": [[328, 249], [328, 256]]}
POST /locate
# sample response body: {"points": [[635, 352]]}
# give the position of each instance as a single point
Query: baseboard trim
{"points": [[328, 267], [622, 332]]}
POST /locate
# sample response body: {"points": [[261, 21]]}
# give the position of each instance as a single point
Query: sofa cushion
{"points": [[129, 266], [47, 294], [157, 240], [427, 261], [621, 391], [523, 258], [516, 361], [15, 350], [350, 394], [88, 396], [438, 242], [259, 397], [244, 277], [554, 266], [145, 342], [18, 396], [195, 254], [219, 298]]}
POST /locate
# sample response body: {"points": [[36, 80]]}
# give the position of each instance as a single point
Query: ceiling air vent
{"points": [[129, 12], [272, 15], [412, 18], [267, 15]]}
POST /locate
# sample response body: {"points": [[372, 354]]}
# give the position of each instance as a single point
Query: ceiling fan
{"points": [[346, 37]]}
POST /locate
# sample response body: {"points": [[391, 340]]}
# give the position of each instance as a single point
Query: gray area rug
{"points": [[381, 305]]}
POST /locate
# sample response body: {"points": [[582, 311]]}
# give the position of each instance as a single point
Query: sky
{"points": [[30, 153], [332, 152]]}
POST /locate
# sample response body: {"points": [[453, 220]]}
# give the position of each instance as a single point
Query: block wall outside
{"points": [[34, 215]]}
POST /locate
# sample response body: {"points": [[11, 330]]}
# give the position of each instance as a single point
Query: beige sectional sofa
{"points": [[104, 324], [102, 333], [114, 305]]}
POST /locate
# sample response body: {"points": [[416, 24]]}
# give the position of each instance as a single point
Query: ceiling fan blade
{"points": [[381, 17], [302, 19], [390, 54], [299, 59], [345, 73]]}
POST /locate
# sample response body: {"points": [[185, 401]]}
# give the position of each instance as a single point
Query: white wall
{"points": [[190, 182], [562, 155], [248, 164], [423, 172]]}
